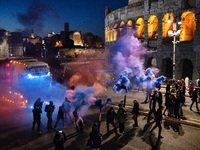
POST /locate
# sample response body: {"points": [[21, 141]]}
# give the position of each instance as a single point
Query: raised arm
{"points": [[124, 101]]}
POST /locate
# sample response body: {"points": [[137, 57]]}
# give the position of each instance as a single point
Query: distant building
{"points": [[11, 43]]}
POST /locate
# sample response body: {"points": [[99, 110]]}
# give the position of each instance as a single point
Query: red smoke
{"points": [[88, 71]]}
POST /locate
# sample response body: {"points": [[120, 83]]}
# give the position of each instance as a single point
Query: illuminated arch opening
{"points": [[140, 28], [111, 34], [188, 26], [115, 32], [130, 24], [121, 27], [129, 27], [153, 27], [166, 26], [108, 35]]}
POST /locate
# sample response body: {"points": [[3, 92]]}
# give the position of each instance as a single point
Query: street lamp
{"points": [[174, 33]]}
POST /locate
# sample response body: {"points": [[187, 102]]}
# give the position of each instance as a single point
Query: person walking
{"points": [[121, 116], [58, 141], [177, 106], [60, 115], [110, 119], [158, 119], [78, 121], [152, 106], [167, 103], [194, 99], [159, 98], [36, 117], [135, 112], [49, 109]]}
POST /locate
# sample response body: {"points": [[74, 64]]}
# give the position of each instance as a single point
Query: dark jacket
{"points": [[135, 109], [111, 115], [194, 95], [49, 109], [60, 113], [120, 113], [159, 98], [168, 88], [36, 114], [152, 104], [158, 116], [95, 137]]}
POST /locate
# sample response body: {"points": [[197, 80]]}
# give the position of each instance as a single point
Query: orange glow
{"points": [[58, 44], [129, 27], [140, 28], [166, 25], [130, 24], [115, 32], [108, 35], [111, 34], [188, 26], [153, 27], [21, 96], [121, 27]]}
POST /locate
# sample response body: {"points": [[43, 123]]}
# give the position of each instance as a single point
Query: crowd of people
{"points": [[173, 106]]}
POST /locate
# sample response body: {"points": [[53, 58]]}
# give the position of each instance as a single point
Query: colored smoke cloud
{"points": [[128, 61]]}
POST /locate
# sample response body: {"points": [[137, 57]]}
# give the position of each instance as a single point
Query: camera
{"points": [[60, 131]]}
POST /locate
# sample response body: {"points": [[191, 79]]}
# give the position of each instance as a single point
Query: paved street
{"points": [[16, 133]]}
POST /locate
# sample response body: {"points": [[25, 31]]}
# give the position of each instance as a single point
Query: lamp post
{"points": [[174, 33]]}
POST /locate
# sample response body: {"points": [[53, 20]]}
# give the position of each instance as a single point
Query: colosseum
{"points": [[152, 19]]}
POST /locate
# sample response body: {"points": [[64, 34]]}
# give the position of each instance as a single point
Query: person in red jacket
{"points": [[191, 89]]}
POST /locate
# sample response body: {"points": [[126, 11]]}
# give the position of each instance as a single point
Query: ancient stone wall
{"points": [[187, 52]]}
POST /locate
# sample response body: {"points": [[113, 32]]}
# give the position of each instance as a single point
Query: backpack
{"points": [[124, 114]]}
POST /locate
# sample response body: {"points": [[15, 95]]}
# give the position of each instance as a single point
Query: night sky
{"points": [[45, 16]]}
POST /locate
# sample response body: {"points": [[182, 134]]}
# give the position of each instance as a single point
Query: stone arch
{"points": [[166, 26], [187, 69], [149, 62], [167, 68], [121, 27], [130, 24], [140, 28], [153, 27], [188, 26], [115, 32]]}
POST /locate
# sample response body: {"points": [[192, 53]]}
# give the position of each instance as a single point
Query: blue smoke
{"points": [[99, 103]]}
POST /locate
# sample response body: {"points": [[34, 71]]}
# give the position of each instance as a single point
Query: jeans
{"points": [[180, 109]]}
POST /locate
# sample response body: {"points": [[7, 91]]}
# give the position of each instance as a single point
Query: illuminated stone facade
{"points": [[150, 20], [11, 44]]}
